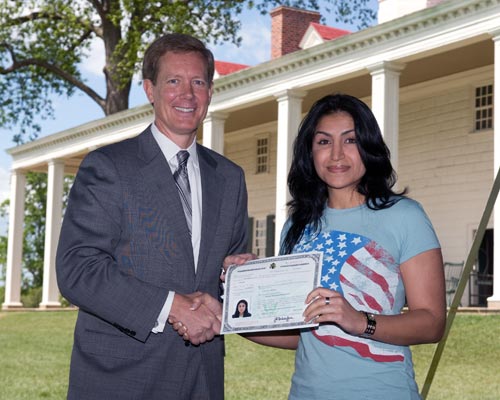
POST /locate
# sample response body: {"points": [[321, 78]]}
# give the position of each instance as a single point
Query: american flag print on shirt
{"points": [[366, 275]]}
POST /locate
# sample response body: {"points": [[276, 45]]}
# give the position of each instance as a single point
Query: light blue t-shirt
{"points": [[363, 250]]}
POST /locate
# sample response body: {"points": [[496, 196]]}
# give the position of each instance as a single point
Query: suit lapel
{"points": [[212, 188], [164, 200]]}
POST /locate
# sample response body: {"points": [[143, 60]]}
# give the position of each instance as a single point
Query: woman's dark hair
{"points": [[245, 314], [309, 193], [175, 43]]}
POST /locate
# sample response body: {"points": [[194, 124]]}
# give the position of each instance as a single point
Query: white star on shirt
{"points": [[356, 240]]}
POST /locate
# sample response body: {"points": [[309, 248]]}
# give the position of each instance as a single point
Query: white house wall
{"points": [[241, 148], [447, 167]]}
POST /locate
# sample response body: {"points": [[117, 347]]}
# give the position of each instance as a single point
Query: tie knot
{"points": [[182, 157]]}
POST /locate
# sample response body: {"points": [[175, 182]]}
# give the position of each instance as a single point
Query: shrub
{"points": [[32, 297], [64, 302]]}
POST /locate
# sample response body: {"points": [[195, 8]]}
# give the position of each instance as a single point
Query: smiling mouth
{"points": [[185, 110], [339, 168]]}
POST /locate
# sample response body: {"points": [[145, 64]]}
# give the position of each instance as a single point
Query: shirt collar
{"points": [[170, 149]]}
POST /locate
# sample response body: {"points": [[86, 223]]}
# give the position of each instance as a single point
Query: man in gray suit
{"points": [[141, 241]]}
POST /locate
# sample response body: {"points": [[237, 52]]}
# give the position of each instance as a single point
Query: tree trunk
{"points": [[116, 99], [117, 93]]}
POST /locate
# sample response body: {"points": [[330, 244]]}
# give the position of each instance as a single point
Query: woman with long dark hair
{"points": [[380, 251]]}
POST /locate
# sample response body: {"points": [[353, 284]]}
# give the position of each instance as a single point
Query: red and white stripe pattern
{"points": [[366, 275]]}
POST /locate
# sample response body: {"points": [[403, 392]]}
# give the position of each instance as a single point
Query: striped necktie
{"points": [[182, 181]]}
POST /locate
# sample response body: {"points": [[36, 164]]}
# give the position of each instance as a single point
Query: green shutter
{"points": [[250, 235], [270, 227]]}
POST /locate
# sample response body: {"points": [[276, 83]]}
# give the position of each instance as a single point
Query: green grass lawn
{"points": [[35, 349]]}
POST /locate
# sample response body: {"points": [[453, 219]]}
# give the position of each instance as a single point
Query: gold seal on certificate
{"points": [[269, 293]]}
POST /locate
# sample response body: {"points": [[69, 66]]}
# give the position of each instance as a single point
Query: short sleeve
{"points": [[418, 234]]}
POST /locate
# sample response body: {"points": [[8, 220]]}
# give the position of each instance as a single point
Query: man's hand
{"points": [[197, 324]]}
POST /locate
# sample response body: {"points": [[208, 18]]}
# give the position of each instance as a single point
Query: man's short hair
{"points": [[176, 43]]}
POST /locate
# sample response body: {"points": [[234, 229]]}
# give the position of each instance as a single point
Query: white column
{"points": [[15, 238], [213, 131], [289, 118], [50, 293], [494, 300], [385, 103]]}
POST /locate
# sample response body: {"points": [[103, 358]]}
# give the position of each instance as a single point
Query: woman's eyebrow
{"points": [[341, 133], [348, 131]]}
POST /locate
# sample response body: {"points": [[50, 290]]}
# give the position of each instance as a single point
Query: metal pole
{"points": [[471, 258]]}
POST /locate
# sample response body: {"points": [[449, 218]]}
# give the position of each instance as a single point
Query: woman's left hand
{"points": [[325, 305], [238, 259]]}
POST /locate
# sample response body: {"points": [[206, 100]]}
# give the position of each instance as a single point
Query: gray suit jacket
{"points": [[124, 245]]}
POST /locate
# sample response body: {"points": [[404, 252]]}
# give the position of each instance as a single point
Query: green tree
{"points": [[34, 229], [3, 263], [43, 43]]}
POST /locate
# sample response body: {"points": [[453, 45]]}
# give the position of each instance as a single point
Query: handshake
{"points": [[197, 316]]}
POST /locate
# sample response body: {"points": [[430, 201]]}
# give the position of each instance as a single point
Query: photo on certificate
{"points": [[269, 293]]}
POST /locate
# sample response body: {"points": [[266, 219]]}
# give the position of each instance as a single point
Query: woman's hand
{"points": [[325, 305], [237, 259]]}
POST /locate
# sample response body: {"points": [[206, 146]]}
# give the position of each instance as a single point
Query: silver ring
{"points": [[327, 300]]}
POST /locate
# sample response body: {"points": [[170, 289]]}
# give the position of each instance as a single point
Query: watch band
{"points": [[371, 324]]}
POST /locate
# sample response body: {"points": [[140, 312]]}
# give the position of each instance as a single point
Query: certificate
{"points": [[269, 293]]}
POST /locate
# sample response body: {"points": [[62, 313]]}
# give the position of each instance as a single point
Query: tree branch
{"points": [[39, 15], [17, 65], [11, 52]]}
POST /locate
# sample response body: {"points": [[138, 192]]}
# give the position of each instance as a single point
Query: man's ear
{"points": [[148, 86], [210, 92]]}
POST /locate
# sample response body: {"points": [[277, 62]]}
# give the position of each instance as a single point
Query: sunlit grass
{"points": [[34, 354], [470, 364], [35, 350]]}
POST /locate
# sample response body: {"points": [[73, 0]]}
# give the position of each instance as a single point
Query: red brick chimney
{"points": [[288, 25]]}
